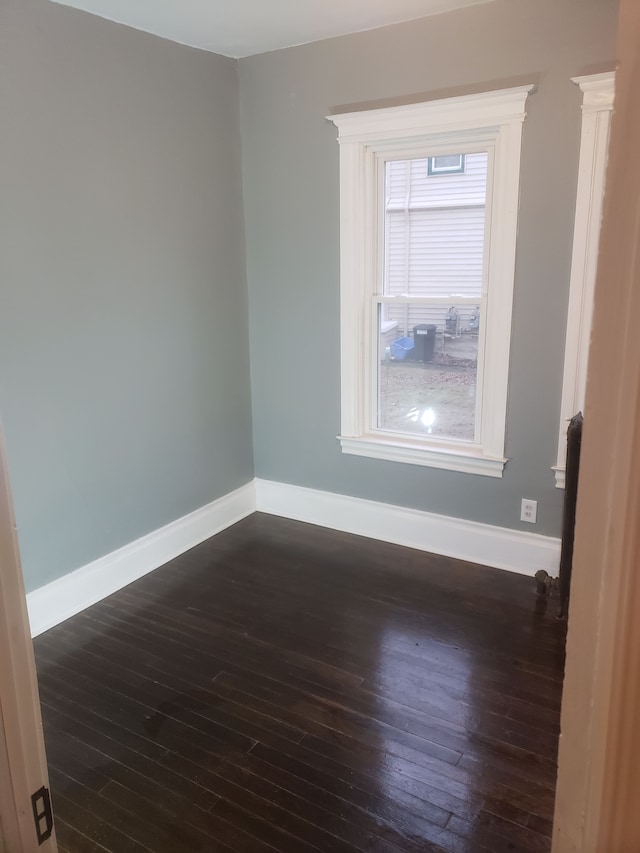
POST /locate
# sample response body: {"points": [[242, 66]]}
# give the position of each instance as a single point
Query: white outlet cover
{"points": [[529, 511]]}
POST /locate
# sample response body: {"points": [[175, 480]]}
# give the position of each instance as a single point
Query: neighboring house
{"points": [[434, 236]]}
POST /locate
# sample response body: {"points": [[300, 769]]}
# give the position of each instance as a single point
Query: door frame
{"points": [[598, 770], [23, 764]]}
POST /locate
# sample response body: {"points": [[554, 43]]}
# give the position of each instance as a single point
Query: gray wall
{"points": [[124, 351], [124, 375], [290, 174]]}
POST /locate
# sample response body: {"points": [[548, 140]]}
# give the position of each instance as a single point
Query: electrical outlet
{"points": [[529, 510]]}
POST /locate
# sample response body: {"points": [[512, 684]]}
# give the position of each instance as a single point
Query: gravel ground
{"points": [[437, 398]]}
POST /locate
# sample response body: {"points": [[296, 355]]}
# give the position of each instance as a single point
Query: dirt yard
{"points": [[436, 398]]}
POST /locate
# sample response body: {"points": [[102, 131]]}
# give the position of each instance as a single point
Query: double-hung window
{"points": [[428, 210]]}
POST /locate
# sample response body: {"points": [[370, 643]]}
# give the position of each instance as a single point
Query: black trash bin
{"points": [[424, 341]]}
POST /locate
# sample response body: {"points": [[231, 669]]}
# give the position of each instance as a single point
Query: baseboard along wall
{"points": [[501, 547], [68, 595]]}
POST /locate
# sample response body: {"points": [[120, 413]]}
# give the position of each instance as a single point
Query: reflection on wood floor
{"points": [[285, 687]]}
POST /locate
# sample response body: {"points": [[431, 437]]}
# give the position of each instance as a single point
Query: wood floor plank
{"points": [[190, 688], [283, 687], [261, 808], [332, 809], [335, 722], [333, 716], [197, 709], [230, 645], [182, 803], [71, 840], [105, 833]]}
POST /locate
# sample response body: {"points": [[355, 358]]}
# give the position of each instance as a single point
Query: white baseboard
{"points": [[62, 598], [500, 547]]}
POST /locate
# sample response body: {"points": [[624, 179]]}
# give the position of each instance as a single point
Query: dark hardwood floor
{"points": [[284, 687]]}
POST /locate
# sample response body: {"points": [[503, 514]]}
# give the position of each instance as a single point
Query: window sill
{"points": [[560, 473], [465, 459]]}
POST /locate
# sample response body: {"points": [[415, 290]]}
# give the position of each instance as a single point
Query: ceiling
{"points": [[240, 28]]}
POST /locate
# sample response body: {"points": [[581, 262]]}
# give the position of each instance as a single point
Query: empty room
{"points": [[296, 302]]}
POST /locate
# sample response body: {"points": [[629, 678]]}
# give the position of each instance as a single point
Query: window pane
{"points": [[448, 164], [448, 161], [427, 369], [434, 228], [434, 247]]}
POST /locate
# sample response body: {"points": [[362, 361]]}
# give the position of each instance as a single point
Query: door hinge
{"points": [[42, 814]]}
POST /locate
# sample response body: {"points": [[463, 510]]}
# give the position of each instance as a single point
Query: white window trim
{"points": [[493, 119], [597, 105]]}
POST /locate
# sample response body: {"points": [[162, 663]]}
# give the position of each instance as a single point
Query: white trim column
{"points": [[597, 104]]}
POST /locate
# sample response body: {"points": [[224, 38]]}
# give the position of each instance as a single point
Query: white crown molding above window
{"points": [[597, 90], [597, 104], [465, 112]]}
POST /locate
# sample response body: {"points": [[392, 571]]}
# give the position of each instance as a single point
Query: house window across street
{"points": [[446, 164]]}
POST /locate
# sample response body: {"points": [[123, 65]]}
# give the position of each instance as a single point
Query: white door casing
{"points": [[23, 766]]}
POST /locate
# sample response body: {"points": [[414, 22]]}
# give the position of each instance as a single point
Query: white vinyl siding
{"points": [[434, 238], [435, 252], [409, 185]]}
